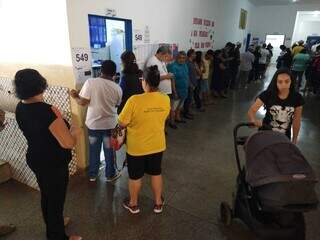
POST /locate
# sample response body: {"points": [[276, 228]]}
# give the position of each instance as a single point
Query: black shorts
{"points": [[139, 165]]}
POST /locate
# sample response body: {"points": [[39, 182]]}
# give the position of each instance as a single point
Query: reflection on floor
{"points": [[199, 172]]}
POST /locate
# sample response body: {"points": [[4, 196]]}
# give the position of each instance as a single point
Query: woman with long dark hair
{"points": [[200, 70], [282, 103], [130, 82], [218, 83]]}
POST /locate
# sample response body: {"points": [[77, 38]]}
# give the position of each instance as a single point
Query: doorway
{"points": [[109, 38], [276, 41]]}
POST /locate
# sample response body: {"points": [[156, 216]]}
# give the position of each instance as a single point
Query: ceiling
{"points": [[283, 2]]}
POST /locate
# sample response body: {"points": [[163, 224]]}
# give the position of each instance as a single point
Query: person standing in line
{"points": [[200, 70], [297, 49], [181, 79], [285, 58], [144, 117], [160, 59], [193, 86], [246, 62], [206, 76], [299, 65], [49, 148], [102, 96], [218, 85], [263, 61], [130, 82], [234, 66]]}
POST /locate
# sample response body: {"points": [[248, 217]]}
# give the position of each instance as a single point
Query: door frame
{"points": [[127, 26]]}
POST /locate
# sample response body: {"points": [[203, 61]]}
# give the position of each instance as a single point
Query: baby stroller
{"points": [[274, 188]]}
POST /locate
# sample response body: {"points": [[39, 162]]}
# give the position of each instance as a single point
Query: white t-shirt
{"points": [[264, 55], [165, 85], [314, 47], [104, 95]]}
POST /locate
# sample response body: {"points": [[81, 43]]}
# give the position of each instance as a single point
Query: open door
{"points": [[109, 38], [276, 41]]}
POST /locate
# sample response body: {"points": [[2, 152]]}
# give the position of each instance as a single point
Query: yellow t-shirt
{"points": [[296, 50], [145, 115]]}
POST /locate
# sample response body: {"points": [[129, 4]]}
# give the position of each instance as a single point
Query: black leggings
{"points": [[53, 187], [196, 94]]}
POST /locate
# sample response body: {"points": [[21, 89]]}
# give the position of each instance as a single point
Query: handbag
{"points": [[118, 135]]}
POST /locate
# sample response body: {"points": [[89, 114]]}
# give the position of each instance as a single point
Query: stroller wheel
{"points": [[225, 214]]}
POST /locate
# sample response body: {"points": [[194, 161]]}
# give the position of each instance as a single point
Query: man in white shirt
{"points": [[102, 96], [160, 59], [263, 60]]}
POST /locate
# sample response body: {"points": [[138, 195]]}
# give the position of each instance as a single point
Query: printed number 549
{"points": [[82, 57]]}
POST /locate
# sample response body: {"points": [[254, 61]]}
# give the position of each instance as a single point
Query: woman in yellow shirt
{"points": [[144, 117]]}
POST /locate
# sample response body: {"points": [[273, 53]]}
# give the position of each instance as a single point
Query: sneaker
{"points": [[131, 209], [6, 229], [187, 116], [173, 126], [180, 121], [159, 208], [201, 110], [114, 177], [92, 179]]}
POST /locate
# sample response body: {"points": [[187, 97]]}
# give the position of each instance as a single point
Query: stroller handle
{"points": [[235, 139], [240, 125]]}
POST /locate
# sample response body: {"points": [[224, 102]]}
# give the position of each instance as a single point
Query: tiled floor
{"points": [[199, 172]]}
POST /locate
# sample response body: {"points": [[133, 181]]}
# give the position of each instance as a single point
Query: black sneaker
{"points": [[114, 177], [6, 229], [180, 121], [173, 126], [131, 209]]}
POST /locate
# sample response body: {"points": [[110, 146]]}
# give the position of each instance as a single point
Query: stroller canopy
{"points": [[271, 158]]}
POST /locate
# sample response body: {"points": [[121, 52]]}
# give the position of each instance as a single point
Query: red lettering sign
{"points": [[203, 34], [206, 22], [212, 24], [197, 21]]}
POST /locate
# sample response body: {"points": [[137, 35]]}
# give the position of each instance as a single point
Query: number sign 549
{"points": [[82, 57]]}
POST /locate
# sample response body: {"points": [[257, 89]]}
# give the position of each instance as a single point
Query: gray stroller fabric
{"points": [[279, 173], [271, 158]]}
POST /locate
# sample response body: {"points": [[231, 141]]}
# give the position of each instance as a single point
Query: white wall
{"points": [[30, 35], [278, 19], [307, 24], [169, 21], [228, 25]]}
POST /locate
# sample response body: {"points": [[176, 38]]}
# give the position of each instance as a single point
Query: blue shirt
{"points": [[300, 62], [181, 76]]}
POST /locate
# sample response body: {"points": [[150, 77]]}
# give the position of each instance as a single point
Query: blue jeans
{"points": [[96, 138]]}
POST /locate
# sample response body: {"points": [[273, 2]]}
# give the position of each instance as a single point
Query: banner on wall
{"points": [[202, 34]]}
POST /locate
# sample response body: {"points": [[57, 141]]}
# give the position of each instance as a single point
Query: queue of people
{"points": [[142, 104]]}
